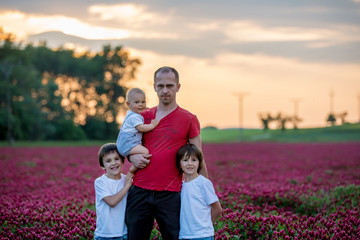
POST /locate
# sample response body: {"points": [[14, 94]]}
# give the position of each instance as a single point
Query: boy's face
{"points": [[112, 165], [137, 102]]}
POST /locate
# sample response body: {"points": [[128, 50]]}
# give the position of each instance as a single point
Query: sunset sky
{"points": [[278, 53]]}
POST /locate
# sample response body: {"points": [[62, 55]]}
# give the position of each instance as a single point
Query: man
{"points": [[156, 188]]}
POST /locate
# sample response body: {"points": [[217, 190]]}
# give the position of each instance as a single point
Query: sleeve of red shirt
{"points": [[194, 129]]}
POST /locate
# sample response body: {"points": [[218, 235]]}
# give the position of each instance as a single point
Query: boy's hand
{"points": [[133, 169], [129, 179], [154, 122], [140, 160]]}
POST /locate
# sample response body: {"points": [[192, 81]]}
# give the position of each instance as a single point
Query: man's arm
{"points": [[197, 142]]}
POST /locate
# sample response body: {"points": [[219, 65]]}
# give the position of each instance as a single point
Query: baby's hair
{"points": [[133, 91], [189, 150], [106, 149]]}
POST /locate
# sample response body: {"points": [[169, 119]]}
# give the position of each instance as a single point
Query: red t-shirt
{"points": [[173, 131]]}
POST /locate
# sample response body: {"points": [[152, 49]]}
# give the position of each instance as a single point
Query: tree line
{"points": [[282, 120], [59, 94]]}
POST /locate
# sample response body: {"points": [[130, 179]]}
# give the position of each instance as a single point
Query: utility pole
{"points": [[296, 108], [331, 118], [358, 107], [331, 101], [296, 101], [241, 96]]}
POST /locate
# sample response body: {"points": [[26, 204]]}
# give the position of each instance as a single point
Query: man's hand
{"points": [[140, 160]]}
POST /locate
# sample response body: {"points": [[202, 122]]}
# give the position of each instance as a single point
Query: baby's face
{"points": [[137, 103]]}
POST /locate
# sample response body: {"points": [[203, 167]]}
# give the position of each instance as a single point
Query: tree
{"points": [[331, 119], [342, 117], [282, 120], [10, 58], [93, 91], [265, 120], [47, 89], [6, 68]]}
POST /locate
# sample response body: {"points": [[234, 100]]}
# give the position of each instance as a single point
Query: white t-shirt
{"points": [[129, 136], [110, 222], [195, 213]]}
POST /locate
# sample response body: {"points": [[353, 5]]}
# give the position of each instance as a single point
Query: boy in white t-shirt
{"points": [[199, 204], [111, 195]]}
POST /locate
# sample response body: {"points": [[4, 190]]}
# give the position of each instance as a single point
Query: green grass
{"points": [[344, 133]]}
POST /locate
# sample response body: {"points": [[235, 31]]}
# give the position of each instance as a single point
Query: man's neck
{"points": [[163, 110]]}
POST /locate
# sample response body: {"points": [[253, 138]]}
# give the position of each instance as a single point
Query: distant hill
{"points": [[343, 133], [56, 39]]}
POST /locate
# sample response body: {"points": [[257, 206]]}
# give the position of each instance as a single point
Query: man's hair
{"points": [[132, 91], [167, 69], [106, 149], [189, 150]]}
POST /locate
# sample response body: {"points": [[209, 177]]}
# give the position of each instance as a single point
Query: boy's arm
{"points": [[216, 210], [113, 200], [147, 127], [198, 142]]}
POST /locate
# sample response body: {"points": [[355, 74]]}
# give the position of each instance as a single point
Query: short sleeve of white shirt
{"points": [[101, 188], [209, 192], [132, 121]]}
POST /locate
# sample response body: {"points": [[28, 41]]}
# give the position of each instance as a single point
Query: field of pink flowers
{"points": [[267, 190]]}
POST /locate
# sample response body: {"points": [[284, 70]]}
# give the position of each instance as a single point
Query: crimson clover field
{"points": [[267, 191]]}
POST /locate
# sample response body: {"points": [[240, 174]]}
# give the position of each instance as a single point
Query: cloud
{"points": [[25, 24], [276, 50], [182, 29], [245, 31], [250, 32], [136, 19], [128, 13]]}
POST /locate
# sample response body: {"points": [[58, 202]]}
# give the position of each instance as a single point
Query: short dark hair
{"points": [[106, 149], [190, 150], [167, 69]]}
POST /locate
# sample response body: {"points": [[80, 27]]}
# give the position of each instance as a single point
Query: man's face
{"points": [[166, 87]]}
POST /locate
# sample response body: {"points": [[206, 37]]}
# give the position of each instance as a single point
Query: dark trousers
{"points": [[143, 206]]}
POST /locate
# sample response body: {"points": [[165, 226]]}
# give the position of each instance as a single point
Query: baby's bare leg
{"points": [[138, 149]]}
